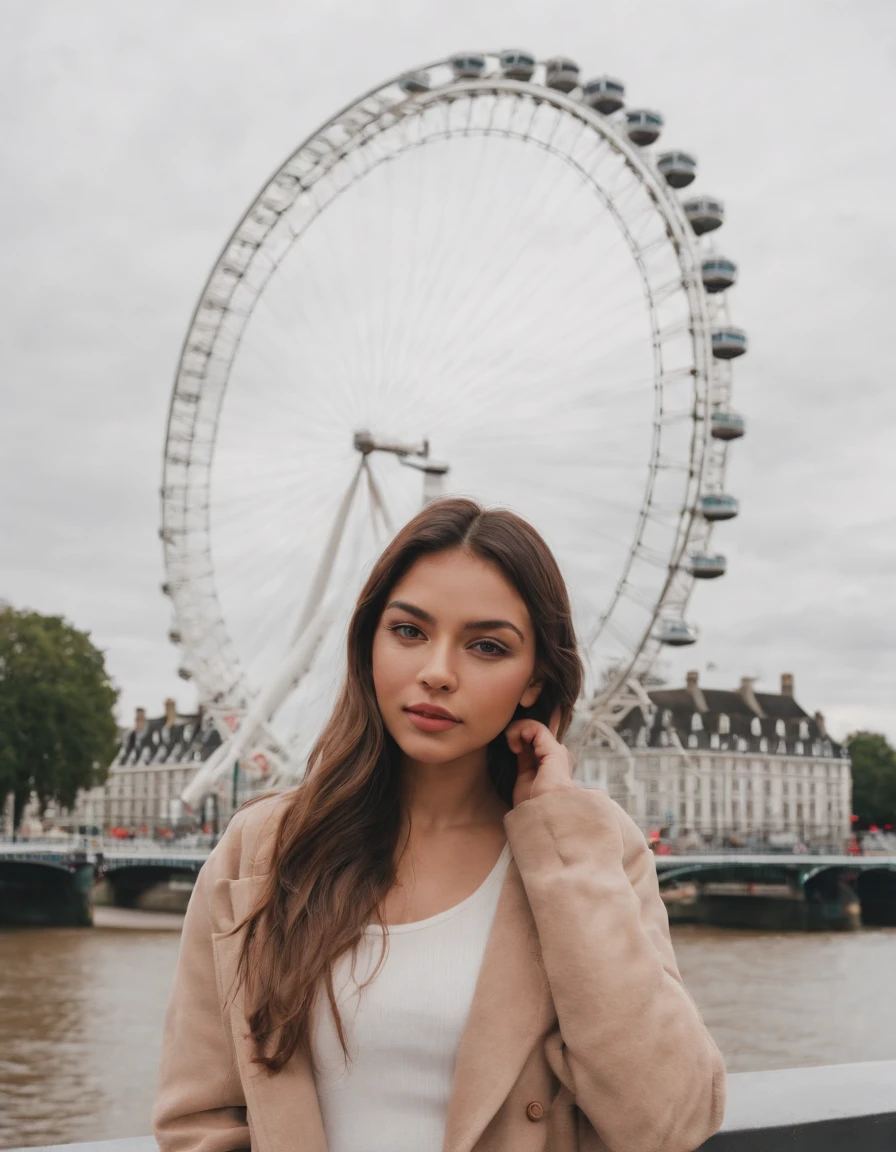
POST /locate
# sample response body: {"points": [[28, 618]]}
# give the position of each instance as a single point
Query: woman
{"points": [[438, 941]]}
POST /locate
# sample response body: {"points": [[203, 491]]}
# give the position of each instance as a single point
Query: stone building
{"points": [[155, 759], [715, 766]]}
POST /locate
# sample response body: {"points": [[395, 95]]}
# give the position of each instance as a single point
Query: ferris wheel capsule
{"points": [[561, 73], [705, 213], [718, 274], [719, 506], [728, 343], [676, 633], [679, 168], [644, 126], [727, 425], [707, 566], [604, 94], [414, 82], [468, 65], [516, 64]]}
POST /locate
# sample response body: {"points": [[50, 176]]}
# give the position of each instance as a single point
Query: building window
{"points": [[779, 728], [799, 747], [804, 730], [724, 725], [692, 740], [664, 739], [696, 722], [714, 740], [756, 726], [763, 745]]}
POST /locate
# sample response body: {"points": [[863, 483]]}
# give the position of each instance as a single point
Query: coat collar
{"points": [[511, 1006]]}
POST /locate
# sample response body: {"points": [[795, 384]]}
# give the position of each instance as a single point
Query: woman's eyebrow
{"points": [[413, 610]]}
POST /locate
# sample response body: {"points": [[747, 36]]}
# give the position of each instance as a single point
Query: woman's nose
{"points": [[438, 673]]}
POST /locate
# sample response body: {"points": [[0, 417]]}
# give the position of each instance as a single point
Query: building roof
{"points": [[737, 720], [172, 738]]}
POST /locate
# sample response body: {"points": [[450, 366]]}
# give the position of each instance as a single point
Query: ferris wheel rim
{"points": [[666, 204]]}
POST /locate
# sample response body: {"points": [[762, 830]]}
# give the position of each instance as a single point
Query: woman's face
{"points": [[454, 635]]}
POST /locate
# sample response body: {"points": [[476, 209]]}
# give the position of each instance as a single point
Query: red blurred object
{"points": [[853, 848], [662, 849], [119, 833], [888, 827], [873, 828], [653, 835], [854, 819]]}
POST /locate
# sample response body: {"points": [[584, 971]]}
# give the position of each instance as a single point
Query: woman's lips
{"points": [[430, 723]]}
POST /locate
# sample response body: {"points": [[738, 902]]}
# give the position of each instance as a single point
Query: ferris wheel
{"points": [[478, 278]]}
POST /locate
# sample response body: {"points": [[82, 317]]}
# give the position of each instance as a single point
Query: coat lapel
{"points": [[283, 1108], [511, 1006]]}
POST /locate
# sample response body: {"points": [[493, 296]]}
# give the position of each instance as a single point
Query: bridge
{"points": [[837, 1108], [57, 883], [779, 891]]}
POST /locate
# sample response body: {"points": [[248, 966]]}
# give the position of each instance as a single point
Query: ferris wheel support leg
{"points": [[295, 666], [378, 502], [325, 567]]}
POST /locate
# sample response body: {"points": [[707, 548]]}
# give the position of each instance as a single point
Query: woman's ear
{"points": [[533, 691]]}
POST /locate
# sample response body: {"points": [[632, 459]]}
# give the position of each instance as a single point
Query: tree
{"points": [[873, 778], [57, 729]]}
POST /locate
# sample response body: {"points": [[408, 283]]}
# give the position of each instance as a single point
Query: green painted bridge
{"points": [[57, 884], [779, 891]]}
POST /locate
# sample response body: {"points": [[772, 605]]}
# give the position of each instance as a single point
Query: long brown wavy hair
{"points": [[334, 858]]}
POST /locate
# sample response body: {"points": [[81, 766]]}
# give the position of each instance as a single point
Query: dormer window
{"points": [[724, 724], [763, 744], [779, 728], [696, 722], [756, 726], [804, 730]]}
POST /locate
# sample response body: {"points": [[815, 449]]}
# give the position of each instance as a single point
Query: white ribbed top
{"points": [[404, 1029]]}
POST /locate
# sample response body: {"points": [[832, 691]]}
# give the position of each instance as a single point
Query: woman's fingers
{"points": [[532, 732]]}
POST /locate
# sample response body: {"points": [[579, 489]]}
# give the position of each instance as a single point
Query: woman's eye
{"points": [[403, 629], [490, 648]]}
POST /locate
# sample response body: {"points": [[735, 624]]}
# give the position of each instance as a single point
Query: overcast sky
{"points": [[136, 134]]}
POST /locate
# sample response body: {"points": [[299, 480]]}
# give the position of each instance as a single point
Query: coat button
{"points": [[535, 1110]]}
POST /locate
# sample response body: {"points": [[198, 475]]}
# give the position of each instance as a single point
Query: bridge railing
{"points": [[836, 1108]]}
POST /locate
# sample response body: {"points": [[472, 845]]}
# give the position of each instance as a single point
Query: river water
{"points": [[82, 1009]]}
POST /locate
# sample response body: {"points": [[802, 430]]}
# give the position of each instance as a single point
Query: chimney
{"points": [[140, 721], [787, 684], [748, 696], [693, 689], [819, 720], [170, 713]]}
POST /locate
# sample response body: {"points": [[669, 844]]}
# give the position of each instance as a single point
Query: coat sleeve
{"points": [[199, 1104], [645, 1070]]}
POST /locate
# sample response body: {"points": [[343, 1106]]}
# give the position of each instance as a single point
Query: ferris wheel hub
{"points": [[366, 443]]}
